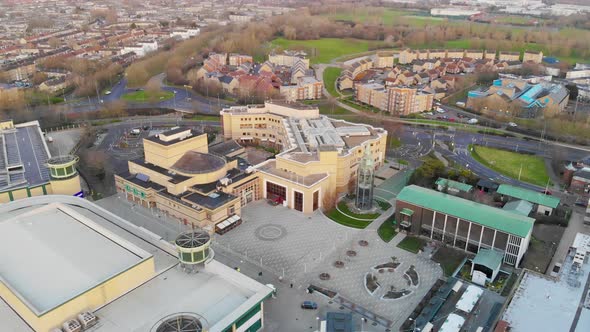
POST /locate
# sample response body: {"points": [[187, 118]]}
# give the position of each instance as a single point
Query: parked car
{"points": [[512, 124], [555, 270], [472, 121], [582, 202], [309, 305], [108, 92], [452, 120], [546, 192]]}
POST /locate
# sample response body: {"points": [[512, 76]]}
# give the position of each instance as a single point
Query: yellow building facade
{"points": [[319, 156], [179, 176]]}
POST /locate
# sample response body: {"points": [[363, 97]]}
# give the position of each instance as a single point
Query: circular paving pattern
{"points": [[270, 232], [324, 276], [351, 253], [363, 243], [339, 264]]}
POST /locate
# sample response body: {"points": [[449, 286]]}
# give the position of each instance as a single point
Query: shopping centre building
{"points": [[94, 271], [206, 185], [27, 168]]}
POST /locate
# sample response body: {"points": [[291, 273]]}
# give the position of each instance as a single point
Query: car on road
{"points": [[452, 120], [309, 305], [512, 124], [472, 121], [581, 202], [108, 92], [546, 192]]}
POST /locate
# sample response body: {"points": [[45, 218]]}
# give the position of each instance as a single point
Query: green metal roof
{"points": [[485, 215], [453, 184], [407, 212], [528, 195], [489, 258], [519, 206]]}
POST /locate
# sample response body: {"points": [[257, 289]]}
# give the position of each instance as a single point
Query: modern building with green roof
{"points": [[462, 223], [545, 203]]}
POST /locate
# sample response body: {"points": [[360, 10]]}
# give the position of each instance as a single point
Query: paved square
{"points": [[280, 238], [302, 247]]}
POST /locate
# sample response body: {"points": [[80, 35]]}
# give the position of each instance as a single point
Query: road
{"points": [[184, 100]]}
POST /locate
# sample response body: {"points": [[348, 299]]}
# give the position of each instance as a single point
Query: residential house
{"points": [[532, 56], [307, 88], [384, 59], [509, 56]]}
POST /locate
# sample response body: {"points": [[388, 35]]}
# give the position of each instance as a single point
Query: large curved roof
{"points": [[194, 162]]}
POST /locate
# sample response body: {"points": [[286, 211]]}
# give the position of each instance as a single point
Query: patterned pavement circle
{"points": [[270, 232]]}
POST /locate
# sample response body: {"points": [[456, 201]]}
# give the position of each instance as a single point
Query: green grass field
{"points": [[331, 74], [411, 244], [146, 96], [449, 259], [510, 164], [346, 220], [333, 110], [326, 49], [386, 231]]}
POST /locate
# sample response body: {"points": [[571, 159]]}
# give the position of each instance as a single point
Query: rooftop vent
{"points": [[87, 319], [72, 325], [182, 322]]}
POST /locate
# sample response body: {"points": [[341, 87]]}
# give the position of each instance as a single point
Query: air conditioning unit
{"points": [[72, 325], [87, 319]]}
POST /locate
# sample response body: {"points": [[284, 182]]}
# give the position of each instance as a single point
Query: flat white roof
{"points": [[217, 293], [469, 298], [52, 254], [453, 323], [582, 243], [545, 304]]}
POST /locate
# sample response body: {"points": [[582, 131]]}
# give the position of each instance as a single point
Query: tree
{"points": [[54, 42], [164, 24], [133, 26], [153, 89], [39, 77], [573, 90]]}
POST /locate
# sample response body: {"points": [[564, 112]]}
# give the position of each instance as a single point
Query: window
{"points": [[298, 201], [274, 191], [231, 210], [316, 202]]}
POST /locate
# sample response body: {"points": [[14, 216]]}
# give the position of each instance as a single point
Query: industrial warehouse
{"points": [[94, 270]]}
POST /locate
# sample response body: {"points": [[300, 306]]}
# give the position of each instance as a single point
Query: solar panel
{"points": [[142, 177]]}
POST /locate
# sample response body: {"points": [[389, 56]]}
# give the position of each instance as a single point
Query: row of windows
{"points": [[256, 134], [260, 119]]}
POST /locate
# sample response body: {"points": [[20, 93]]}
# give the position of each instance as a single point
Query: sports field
{"points": [[324, 50], [531, 168]]}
